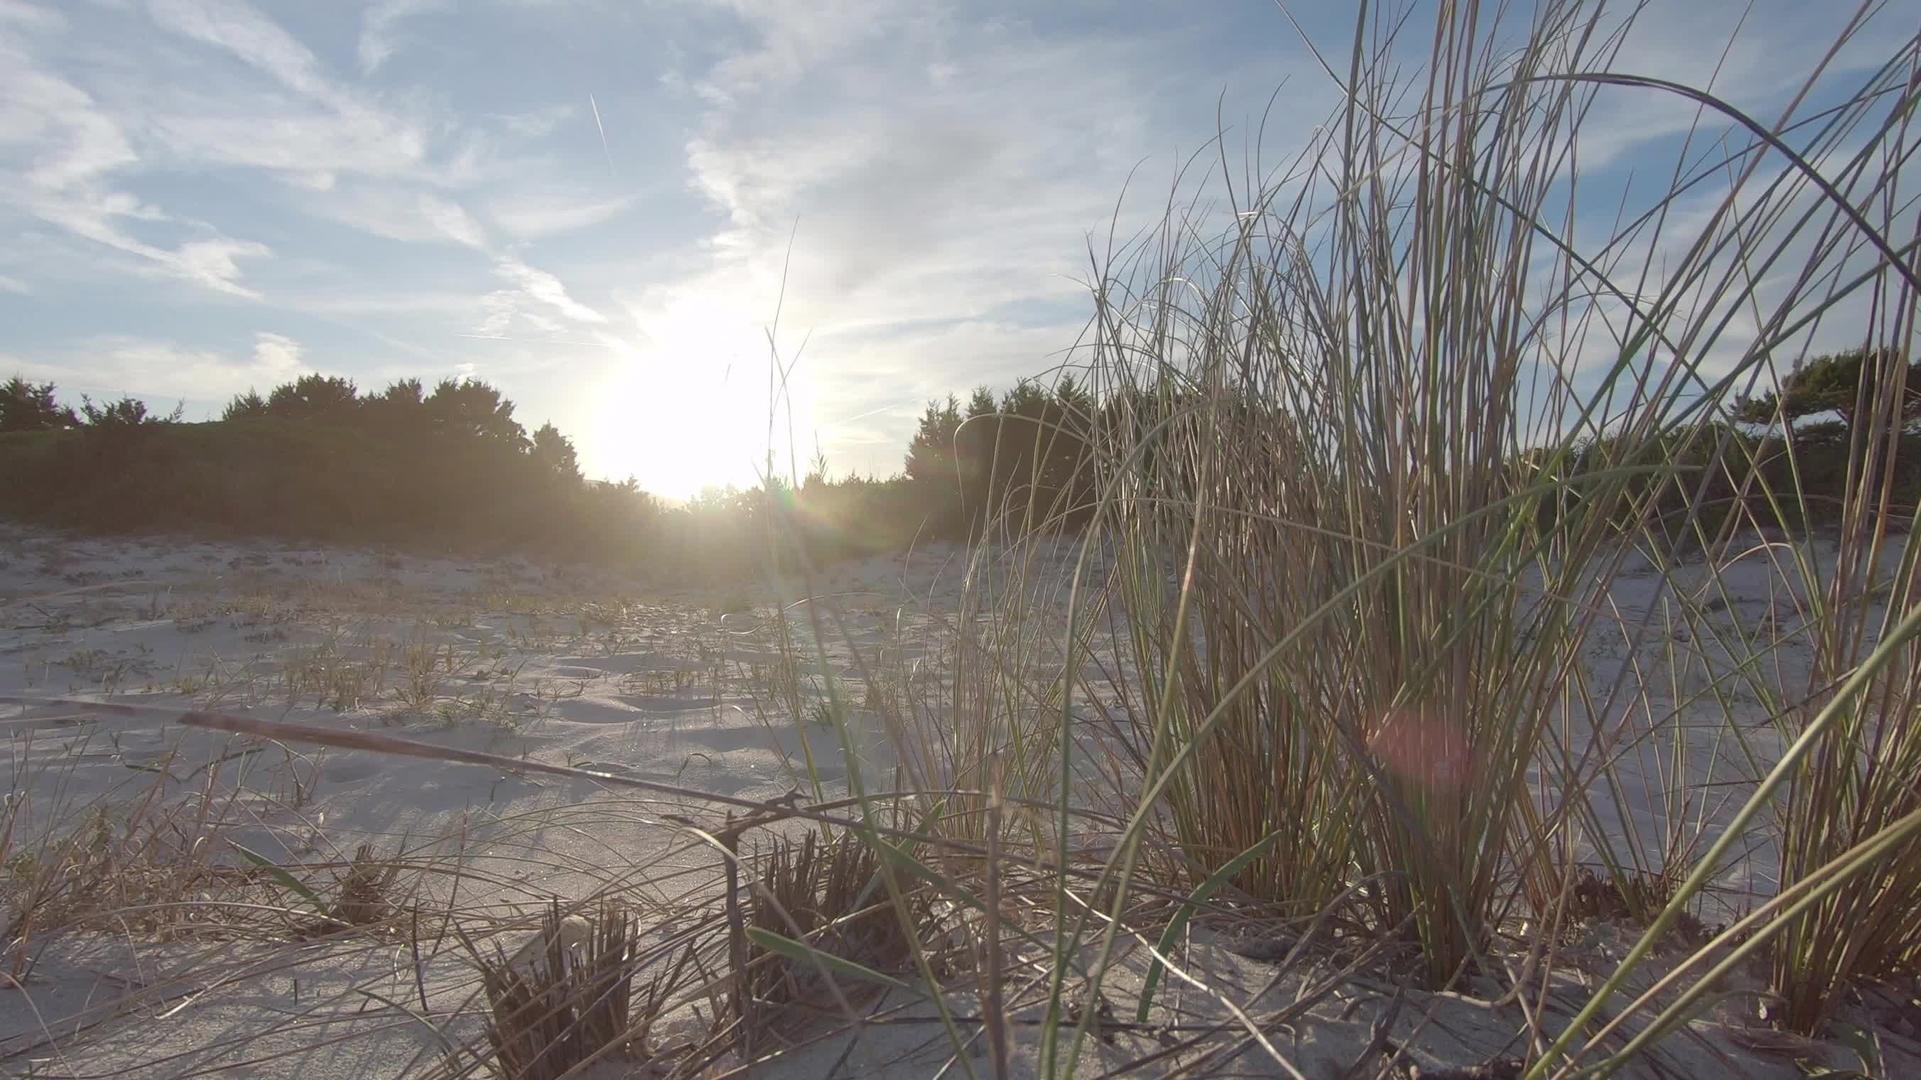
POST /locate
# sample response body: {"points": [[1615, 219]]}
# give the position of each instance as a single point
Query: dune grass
{"points": [[1399, 609]]}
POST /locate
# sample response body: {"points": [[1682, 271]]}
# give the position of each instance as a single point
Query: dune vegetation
{"points": [[1450, 613]]}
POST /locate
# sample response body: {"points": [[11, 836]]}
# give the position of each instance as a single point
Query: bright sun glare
{"points": [[688, 408]]}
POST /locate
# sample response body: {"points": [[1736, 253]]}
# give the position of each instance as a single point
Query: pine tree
{"points": [[556, 452], [471, 408], [26, 406], [930, 456], [1831, 383], [247, 406], [315, 397]]}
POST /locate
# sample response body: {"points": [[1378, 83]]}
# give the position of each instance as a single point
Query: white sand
{"points": [[568, 666]]}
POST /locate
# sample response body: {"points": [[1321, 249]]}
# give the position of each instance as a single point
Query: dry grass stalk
{"points": [[126, 868], [567, 998], [827, 894], [363, 895]]}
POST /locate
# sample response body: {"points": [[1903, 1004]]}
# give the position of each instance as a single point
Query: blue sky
{"points": [[592, 203]]}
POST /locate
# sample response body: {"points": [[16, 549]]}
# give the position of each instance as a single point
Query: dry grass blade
{"points": [[825, 894], [365, 893], [566, 998]]}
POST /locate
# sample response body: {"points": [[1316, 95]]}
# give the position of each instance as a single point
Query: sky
{"points": [[617, 210]]}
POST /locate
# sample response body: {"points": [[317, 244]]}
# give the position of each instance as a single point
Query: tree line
{"points": [[962, 461], [459, 408], [451, 465], [317, 457], [26, 406]]}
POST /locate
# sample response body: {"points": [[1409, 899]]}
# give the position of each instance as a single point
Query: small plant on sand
{"points": [[827, 897], [567, 998], [425, 669], [147, 866], [364, 894]]}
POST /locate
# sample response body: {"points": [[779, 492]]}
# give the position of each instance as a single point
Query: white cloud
{"points": [[24, 14], [14, 285], [537, 123], [533, 216], [211, 262], [929, 172], [1755, 57], [279, 354], [325, 127], [539, 286], [308, 146], [380, 28], [164, 371], [397, 213], [238, 28], [59, 153], [416, 305]]}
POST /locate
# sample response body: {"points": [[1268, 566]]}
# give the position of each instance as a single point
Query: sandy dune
{"points": [[648, 679]]}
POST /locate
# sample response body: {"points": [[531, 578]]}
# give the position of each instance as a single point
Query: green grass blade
{"points": [[279, 873], [803, 953]]}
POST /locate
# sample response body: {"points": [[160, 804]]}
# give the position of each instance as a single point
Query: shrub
{"points": [[128, 412], [26, 406], [247, 406], [1833, 382], [316, 397]]}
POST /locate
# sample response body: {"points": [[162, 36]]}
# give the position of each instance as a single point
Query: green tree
{"points": [[403, 394], [930, 454], [981, 403], [1026, 399], [247, 406], [1074, 401], [26, 406], [471, 408], [399, 408], [128, 412], [556, 452], [1832, 382], [315, 397]]}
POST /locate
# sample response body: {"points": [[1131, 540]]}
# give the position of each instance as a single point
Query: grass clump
{"points": [[151, 866], [567, 998], [826, 895]]}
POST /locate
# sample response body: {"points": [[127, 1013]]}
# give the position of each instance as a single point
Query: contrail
{"points": [[595, 105], [539, 341], [873, 412]]}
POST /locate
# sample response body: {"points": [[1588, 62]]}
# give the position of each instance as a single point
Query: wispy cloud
{"points": [[536, 123], [380, 35], [398, 213], [246, 33], [924, 186], [326, 127], [535, 296], [163, 370], [535, 215], [61, 155]]}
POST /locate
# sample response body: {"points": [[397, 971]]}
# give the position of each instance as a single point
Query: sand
{"points": [[634, 676]]}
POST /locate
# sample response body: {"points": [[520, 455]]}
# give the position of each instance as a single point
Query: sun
{"points": [[685, 405], [685, 408], [679, 428]]}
